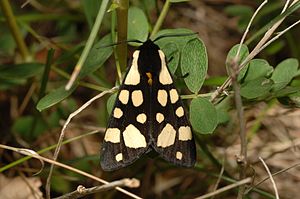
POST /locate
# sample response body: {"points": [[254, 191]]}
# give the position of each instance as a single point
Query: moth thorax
{"points": [[149, 62]]}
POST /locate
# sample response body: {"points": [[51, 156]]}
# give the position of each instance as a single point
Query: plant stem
{"points": [[89, 43], [122, 26], [12, 24], [161, 18], [242, 157], [113, 36]]}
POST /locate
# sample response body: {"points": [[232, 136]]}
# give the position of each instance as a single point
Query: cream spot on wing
{"points": [[112, 135], [141, 118], [185, 133], [133, 76], [166, 137], [179, 111], [159, 117], [178, 155], [137, 98], [174, 96], [133, 137], [117, 113], [124, 96], [162, 97], [119, 157], [164, 75]]}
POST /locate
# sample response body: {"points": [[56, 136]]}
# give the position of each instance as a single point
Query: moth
{"points": [[148, 114]]}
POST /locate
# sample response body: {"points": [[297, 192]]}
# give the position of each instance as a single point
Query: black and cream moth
{"points": [[148, 114]]}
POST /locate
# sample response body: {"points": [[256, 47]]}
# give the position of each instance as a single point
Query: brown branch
{"points": [[82, 191], [242, 157]]}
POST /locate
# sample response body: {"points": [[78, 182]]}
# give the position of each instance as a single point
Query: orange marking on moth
{"points": [[149, 75]]}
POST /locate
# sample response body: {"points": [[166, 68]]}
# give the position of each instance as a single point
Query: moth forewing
{"points": [[126, 137]]}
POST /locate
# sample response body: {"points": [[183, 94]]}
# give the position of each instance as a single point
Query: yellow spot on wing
{"points": [[185, 133], [178, 155], [112, 135], [119, 157], [166, 137], [133, 137]]}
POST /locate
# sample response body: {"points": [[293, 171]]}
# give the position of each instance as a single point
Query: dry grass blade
{"points": [[226, 188], [62, 134], [271, 177], [35, 155], [274, 174], [82, 191]]}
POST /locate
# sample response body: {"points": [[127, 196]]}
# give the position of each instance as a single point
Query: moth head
{"points": [[149, 61]]}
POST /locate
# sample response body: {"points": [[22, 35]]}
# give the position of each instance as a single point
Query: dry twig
{"points": [[226, 188], [271, 178], [29, 152], [263, 43], [62, 134], [219, 177], [82, 191], [274, 174]]}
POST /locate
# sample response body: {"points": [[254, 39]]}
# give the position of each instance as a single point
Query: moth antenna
{"points": [[121, 42], [175, 35]]}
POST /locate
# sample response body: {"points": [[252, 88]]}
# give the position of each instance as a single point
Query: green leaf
{"points": [[203, 116], [23, 126], [215, 81], [223, 108], [194, 62], [295, 99], [173, 45], [20, 71], [284, 73], [175, 36], [286, 91], [258, 68], [7, 42], [178, 1], [243, 12], [172, 53], [275, 47], [239, 10], [68, 55], [256, 88], [244, 52], [54, 97], [60, 184], [9, 83], [223, 116], [138, 27], [111, 102], [97, 56], [90, 8]]}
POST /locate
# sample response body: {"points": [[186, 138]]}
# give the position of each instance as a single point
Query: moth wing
{"points": [[172, 135], [126, 137]]}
